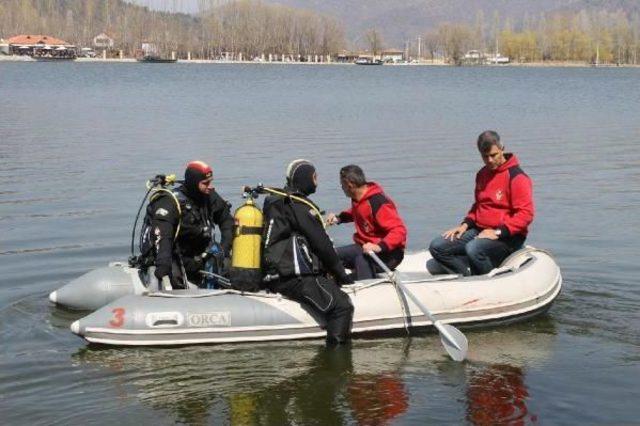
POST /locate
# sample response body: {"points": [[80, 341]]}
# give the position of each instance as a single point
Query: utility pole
{"points": [[108, 20]]}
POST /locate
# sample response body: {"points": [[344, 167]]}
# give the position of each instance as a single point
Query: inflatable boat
{"points": [[525, 285]]}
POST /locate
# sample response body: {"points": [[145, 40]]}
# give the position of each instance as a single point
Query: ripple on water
{"points": [[574, 132]]}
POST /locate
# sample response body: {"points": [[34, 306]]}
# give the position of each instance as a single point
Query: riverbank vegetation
{"points": [[254, 28], [250, 27], [595, 36]]}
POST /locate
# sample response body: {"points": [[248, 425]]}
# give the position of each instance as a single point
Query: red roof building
{"points": [[33, 40]]}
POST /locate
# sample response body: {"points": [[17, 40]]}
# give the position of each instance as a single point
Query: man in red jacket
{"points": [[498, 220], [379, 227]]}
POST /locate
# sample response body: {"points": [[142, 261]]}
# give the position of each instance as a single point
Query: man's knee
{"points": [[479, 253], [438, 246], [474, 249]]}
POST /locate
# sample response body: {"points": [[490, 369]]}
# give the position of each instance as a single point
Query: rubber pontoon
{"points": [[525, 285]]}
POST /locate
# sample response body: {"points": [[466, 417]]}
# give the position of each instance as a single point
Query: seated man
{"points": [[181, 226], [379, 227], [497, 222], [299, 260]]}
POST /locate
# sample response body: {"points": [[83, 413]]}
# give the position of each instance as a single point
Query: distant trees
{"points": [[256, 28], [584, 36], [374, 41], [78, 21], [249, 27], [455, 40]]}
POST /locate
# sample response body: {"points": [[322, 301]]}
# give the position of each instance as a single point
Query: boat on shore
{"points": [[54, 58], [525, 285], [157, 60], [368, 61]]}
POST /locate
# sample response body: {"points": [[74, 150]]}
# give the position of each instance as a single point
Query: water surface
{"points": [[77, 142]]}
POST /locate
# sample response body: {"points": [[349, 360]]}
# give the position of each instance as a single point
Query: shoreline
{"points": [[548, 64]]}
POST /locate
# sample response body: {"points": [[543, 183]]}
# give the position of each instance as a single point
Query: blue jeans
{"points": [[469, 255], [362, 266]]}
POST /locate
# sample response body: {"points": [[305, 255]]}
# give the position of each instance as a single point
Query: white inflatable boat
{"points": [[525, 285]]}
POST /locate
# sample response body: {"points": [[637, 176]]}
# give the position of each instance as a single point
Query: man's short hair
{"points": [[487, 139], [353, 174]]}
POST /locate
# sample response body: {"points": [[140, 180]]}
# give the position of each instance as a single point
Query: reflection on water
{"points": [[497, 394], [308, 383], [497, 391], [377, 398], [411, 129]]}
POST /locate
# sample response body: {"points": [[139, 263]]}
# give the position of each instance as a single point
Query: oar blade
{"points": [[454, 342]]}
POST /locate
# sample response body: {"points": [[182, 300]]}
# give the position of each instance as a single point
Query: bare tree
{"points": [[374, 41], [455, 39], [431, 43]]}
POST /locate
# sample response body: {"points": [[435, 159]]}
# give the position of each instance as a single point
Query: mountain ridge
{"points": [[401, 21]]}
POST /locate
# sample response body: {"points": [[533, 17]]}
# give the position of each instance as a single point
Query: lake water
{"points": [[78, 141]]}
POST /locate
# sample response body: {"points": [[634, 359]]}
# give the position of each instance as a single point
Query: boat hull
{"points": [[101, 286], [526, 286], [157, 61]]}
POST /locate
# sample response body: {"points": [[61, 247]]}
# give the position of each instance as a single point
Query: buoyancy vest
{"points": [[194, 230], [287, 253]]}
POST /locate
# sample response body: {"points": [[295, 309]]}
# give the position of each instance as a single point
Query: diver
{"points": [[299, 260], [180, 228]]}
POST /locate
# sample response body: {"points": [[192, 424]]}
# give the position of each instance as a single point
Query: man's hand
{"points": [[455, 233], [367, 247], [332, 219], [489, 234]]}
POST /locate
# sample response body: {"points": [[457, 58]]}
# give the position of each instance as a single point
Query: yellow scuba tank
{"points": [[247, 244]]}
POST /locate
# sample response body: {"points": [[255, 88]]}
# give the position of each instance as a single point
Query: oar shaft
{"points": [[399, 289], [404, 289], [436, 323], [459, 348]]}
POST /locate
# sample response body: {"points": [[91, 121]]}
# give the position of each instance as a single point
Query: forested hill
{"points": [[78, 21], [399, 20], [248, 27]]}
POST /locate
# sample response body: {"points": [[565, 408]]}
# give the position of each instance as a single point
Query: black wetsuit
{"points": [[196, 220], [300, 262]]}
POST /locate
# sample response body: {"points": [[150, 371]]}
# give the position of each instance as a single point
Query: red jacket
{"points": [[503, 199], [376, 219]]}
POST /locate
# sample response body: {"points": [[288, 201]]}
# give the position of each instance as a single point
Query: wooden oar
{"points": [[454, 342]]}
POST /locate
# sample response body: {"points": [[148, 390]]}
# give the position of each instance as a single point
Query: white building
{"points": [[103, 42], [392, 55]]}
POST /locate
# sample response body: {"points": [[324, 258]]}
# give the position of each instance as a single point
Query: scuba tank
{"points": [[245, 272]]}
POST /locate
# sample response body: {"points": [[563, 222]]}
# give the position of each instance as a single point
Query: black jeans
{"points": [[324, 297], [363, 267], [469, 255]]}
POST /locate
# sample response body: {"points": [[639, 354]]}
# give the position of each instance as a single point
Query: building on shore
{"points": [[387, 55], [40, 46], [103, 44], [347, 57], [393, 55], [477, 57]]}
